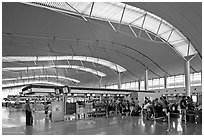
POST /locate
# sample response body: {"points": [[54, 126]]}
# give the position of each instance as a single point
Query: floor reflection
{"points": [[28, 130], [13, 122]]}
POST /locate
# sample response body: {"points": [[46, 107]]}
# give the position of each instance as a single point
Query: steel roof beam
{"points": [[142, 24], [158, 30], [121, 17], [132, 31], [92, 5], [112, 25], [76, 11]]}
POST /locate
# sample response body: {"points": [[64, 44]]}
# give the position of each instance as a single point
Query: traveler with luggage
{"points": [[29, 117], [183, 106]]}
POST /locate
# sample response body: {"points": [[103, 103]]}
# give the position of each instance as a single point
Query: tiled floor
{"points": [[13, 123]]}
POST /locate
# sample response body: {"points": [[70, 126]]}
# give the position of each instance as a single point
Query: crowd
{"points": [[160, 108], [157, 109], [121, 107]]}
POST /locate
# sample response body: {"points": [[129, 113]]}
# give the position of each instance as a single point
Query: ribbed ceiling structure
{"points": [[81, 42]]}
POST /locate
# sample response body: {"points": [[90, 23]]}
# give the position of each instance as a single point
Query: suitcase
{"points": [[190, 118], [135, 113], [174, 115]]}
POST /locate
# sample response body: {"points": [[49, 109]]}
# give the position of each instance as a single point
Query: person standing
{"points": [[117, 106], [34, 108], [132, 106], [183, 106], [144, 111], [46, 107], [166, 108], [28, 113], [137, 102]]}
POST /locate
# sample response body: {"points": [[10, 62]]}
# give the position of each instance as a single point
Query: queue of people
{"points": [[160, 108], [155, 109], [121, 107]]}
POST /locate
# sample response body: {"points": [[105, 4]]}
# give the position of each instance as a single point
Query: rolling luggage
{"points": [[190, 118], [135, 113]]}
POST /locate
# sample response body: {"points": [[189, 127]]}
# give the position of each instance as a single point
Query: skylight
{"points": [[121, 13], [103, 62], [41, 76], [95, 72], [31, 82]]}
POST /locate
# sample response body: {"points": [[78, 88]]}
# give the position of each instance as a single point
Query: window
{"points": [[142, 86], [136, 86], [150, 84], [195, 79], [161, 83], [123, 86], [127, 85], [132, 84], [115, 86], [170, 82], [156, 84], [179, 81]]}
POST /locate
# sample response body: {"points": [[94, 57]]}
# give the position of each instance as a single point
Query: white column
{"points": [[119, 80], [100, 82], [146, 80], [187, 78], [165, 82], [187, 74], [45, 98]]}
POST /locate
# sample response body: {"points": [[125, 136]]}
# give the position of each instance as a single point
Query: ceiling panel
{"points": [[37, 31]]}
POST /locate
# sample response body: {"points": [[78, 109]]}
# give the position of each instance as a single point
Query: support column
{"points": [[139, 87], [146, 80], [165, 82], [84, 98], [119, 80], [187, 78], [100, 82], [45, 98], [187, 75]]}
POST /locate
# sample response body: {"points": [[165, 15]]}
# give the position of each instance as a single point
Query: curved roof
{"points": [[128, 15], [134, 36]]}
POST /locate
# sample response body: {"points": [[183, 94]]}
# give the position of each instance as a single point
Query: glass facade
{"points": [[172, 82]]}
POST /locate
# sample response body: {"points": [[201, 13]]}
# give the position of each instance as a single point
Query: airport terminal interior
{"points": [[101, 68]]}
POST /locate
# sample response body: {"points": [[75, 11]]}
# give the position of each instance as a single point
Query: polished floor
{"points": [[13, 123]]}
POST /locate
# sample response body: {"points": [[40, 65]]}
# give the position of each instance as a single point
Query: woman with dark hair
{"points": [[29, 119]]}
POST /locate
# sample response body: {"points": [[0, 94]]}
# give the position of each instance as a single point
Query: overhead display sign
{"points": [[98, 91], [43, 90]]}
